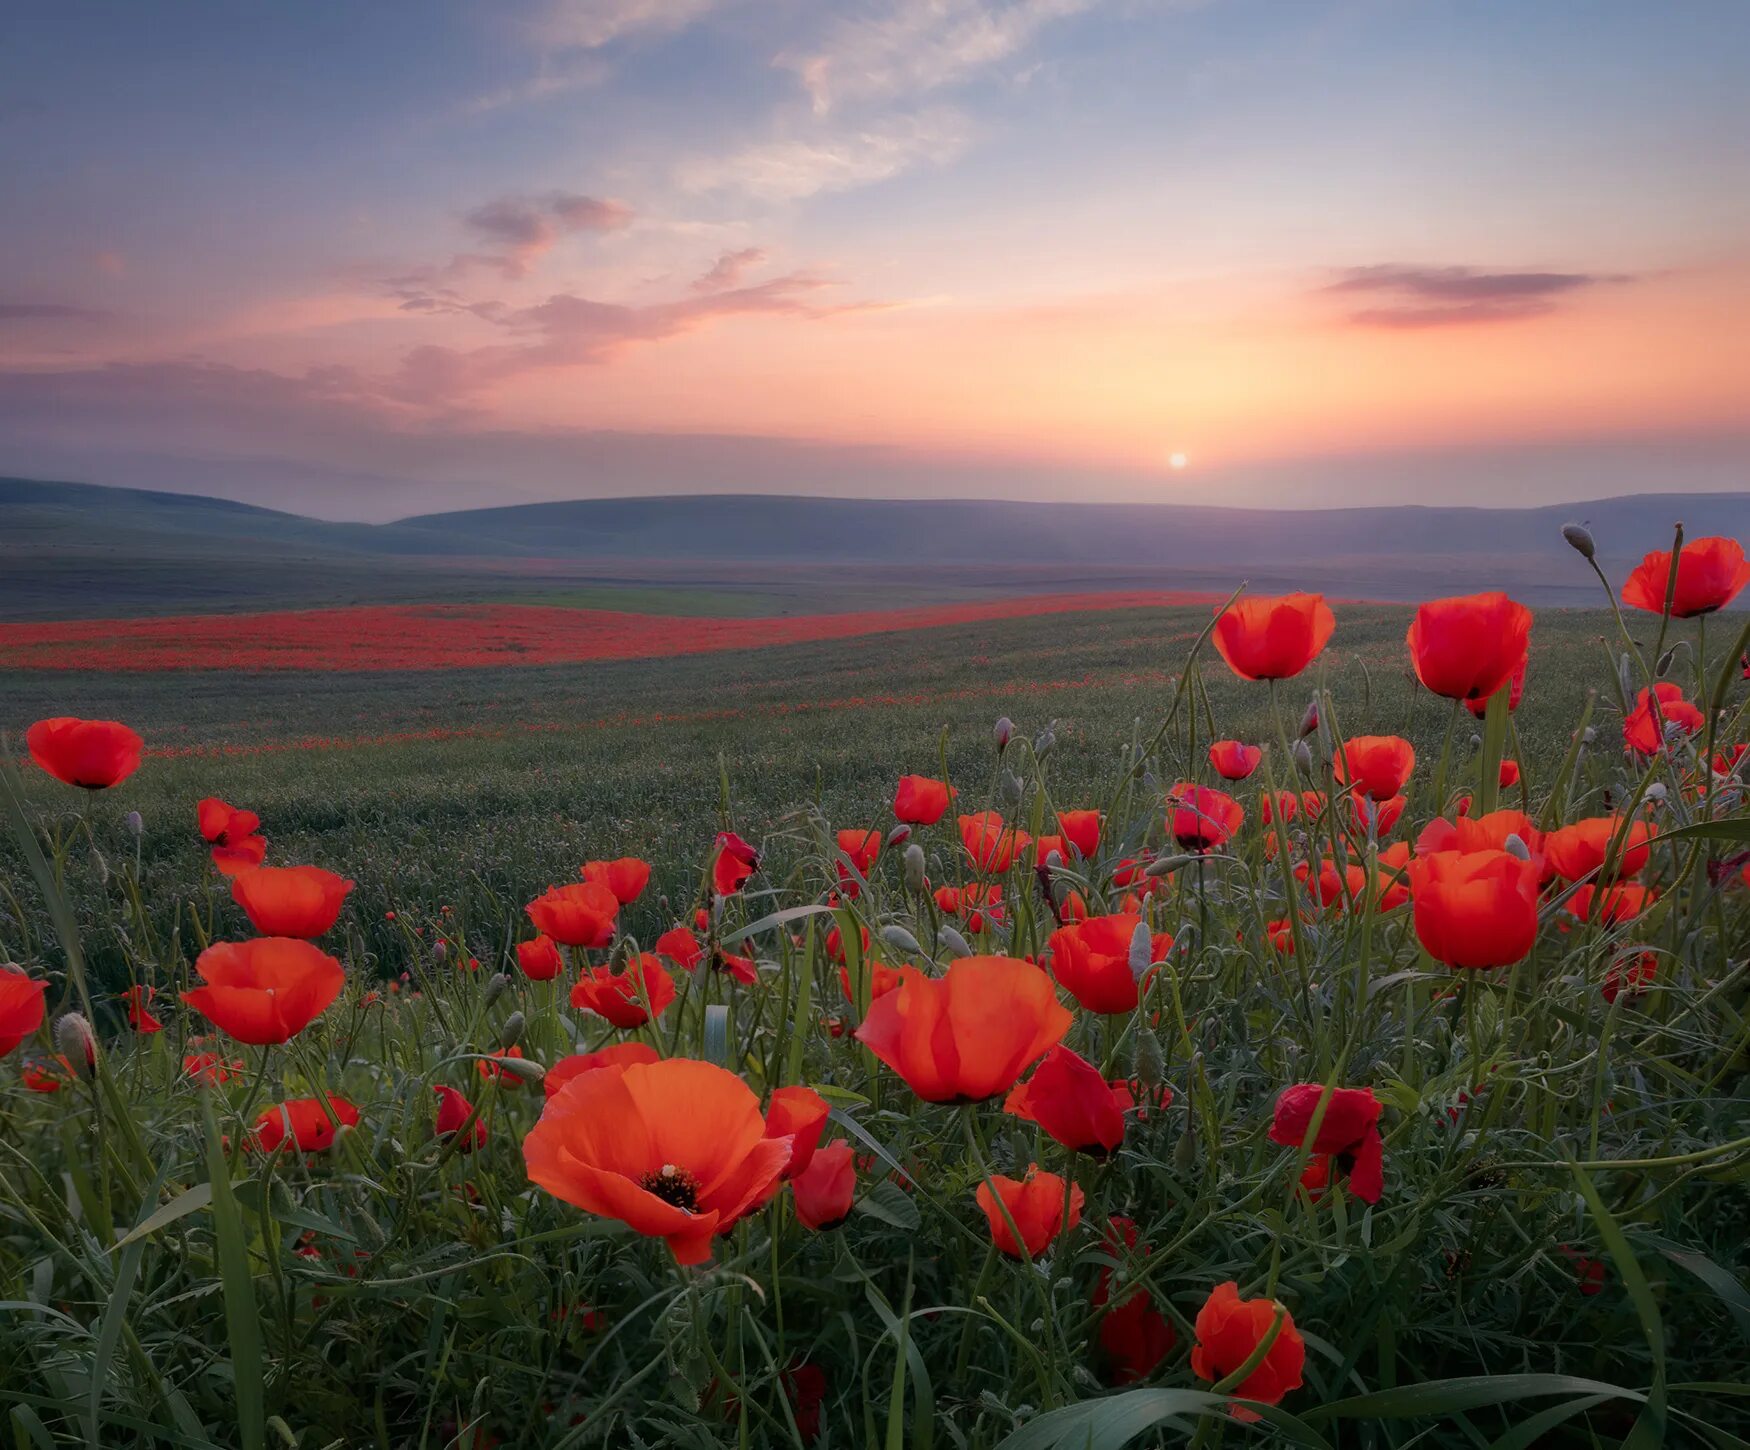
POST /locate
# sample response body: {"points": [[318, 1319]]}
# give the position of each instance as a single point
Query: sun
{"points": [[1177, 461]]}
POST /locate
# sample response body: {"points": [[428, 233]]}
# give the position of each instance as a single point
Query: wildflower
{"points": [[799, 1114], [920, 801], [1200, 819], [1229, 1331], [1515, 692], [210, 1069], [1082, 830], [92, 754], [1474, 909], [1348, 1131], [617, 996], [969, 1034], [222, 824], [236, 857], [47, 1074], [300, 901], [674, 1149], [21, 1007], [139, 1000], [823, 1191], [620, 1054], [1509, 774], [1233, 761], [453, 1111], [1377, 765], [1273, 639], [626, 877], [266, 990], [1580, 849], [992, 845], [733, 862], [1072, 1102], [1036, 1203], [1468, 647], [1134, 1337], [580, 915], [540, 959], [1710, 575], [1092, 961], [1611, 905], [1658, 713], [306, 1121], [500, 1070], [1629, 974]]}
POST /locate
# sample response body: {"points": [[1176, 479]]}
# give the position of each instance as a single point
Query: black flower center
{"points": [[674, 1186]]}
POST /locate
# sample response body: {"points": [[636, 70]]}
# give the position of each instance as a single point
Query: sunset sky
{"points": [[368, 260]]}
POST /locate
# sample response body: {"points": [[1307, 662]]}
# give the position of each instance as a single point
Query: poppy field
{"points": [[1262, 1021]]}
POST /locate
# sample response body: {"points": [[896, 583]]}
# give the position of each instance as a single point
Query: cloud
{"points": [[51, 312], [914, 46], [791, 169], [1405, 297], [519, 230], [729, 269], [591, 24]]}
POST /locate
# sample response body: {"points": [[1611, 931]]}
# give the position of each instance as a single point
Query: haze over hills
{"points": [[69, 548]]}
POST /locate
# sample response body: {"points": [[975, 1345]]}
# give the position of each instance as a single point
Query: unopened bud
{"points": [[1166, 865], [524, 1068], [1012, 789], [1309, 722], [1142, 950], [1588, 735], [76, 1042], [954, 942], [1148, 1062], [513, 1030], [1043, 743], [1476, 743], [1579, 539], [1003, 732], [1663, 667], [496, 986], [1656, 791], [915, 880], [135, 823], [901, 832], [1513, 846], [1185, 1150], [440, 949], [1625, 676], [900, 939], [1303, 757]]}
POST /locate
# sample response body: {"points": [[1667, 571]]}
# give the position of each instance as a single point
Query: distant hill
{"points": [[80, 549]]}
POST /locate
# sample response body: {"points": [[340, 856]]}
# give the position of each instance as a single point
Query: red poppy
{"points": [[580, 915], [492, 1072], [835, 942], [1509, 774], [799, 1114], [1631, 975], [823, 1191], [990, 843], [94, 754], [210, 1068], [1233, 760], [732, 864], [882, 980], [302, 901], [1467, 648], [540, 959], [1614, 905], [1377, 817], [1487, 832], [1229, 1331], [243, 854], [862, 847], [266, 990], [1515, 693], [1082, 830], [1072, 1102], [1589, 1272], [616, 996], [920, 801], [621, 1054], [974, 902], [222, 824], [1710, 575], [1201, 819], [1092, 960], [1273, 639], [21, 1008], [674, 1149], [1645, 727], [1475, 909], [1134, 1337], [1036, 1204], [1393, 881], [1333, 886], [139, 1000], [626, 877], [1377, 765], [1280, 935], [453, 1111], [1580, 849], [969, 1034], [1348, 1131], [47, 1074], [309, 1123]]}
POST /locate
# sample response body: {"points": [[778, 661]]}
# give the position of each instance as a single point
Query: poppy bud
{"points": [[1625, 676], [1513, 846], [1476, 743], [1663, 667], [1043, 743], [1185, 1150], [954, 942], [1579, 539], [135, 824], [1588, 735], [1309, 722], [1012, 789], [1303, 757], [513, 1030], [1148, 1062], [495, 987], [524, 1068], [1141, 950], [440, 949], [915, 880], [77, 1043], [901, 939], [1166, 865], [1003, 733], [901, 832], [1656, 791]]}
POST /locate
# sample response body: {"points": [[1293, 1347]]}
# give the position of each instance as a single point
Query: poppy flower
{"points": [[1082, 830], [21, 1008], [1036, 1204], [882, 980], [302, 901], [1658, 711], [139, 1000], [453, 1111], [621, 1054], [1468, 647], [1377, 817], [1072, 1102], [920, 801], [1613, 905], [626, 877], [1092, 961], [974, 902], [1233, 760], [1333, 886], [1280, 935], [93, 754], [1393, 880], [835, 942], [1515, 693], [540, 959], [210, 1068], [1631, 975], [491, 1071], [823, 1191], [1201, 819], [969, 1034], [243, 854], [732, 864], [1377, 765], [799, 1114], [1476, 909], [1509, 774], [222, 824], [47, 1074], [580, 915], [1590, 1272], [990, 843], [675, 1150], [311, 1128], [266, 990], [1710, 575], [1488, 832], [1134, 1337], [1273, 639], [1580, 849], [1045, 847], [1229, 1331], [616, 996], [862, 847], [1348, 1131]]}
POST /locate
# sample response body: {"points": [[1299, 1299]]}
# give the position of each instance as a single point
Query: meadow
{"points": [[1555, 1253]]}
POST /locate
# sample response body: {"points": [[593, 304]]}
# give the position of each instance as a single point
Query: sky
{"points": [[366, 261]]}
